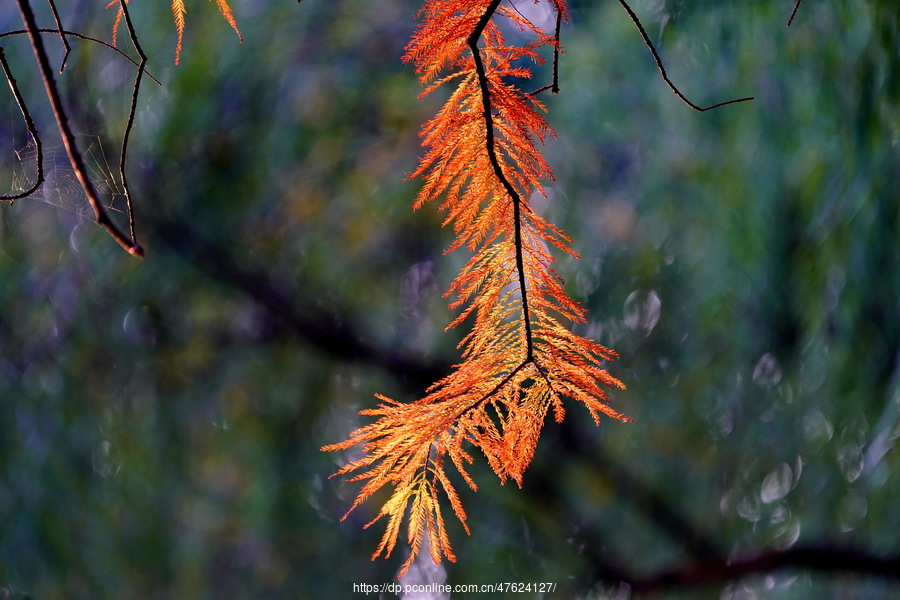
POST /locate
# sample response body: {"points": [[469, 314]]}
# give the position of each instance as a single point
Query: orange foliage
{"points": [[518, 361], [178, 12]]}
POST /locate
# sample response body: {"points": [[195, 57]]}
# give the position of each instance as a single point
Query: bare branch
{"points": [[662, 69], [62, 35], [794, 12], [86, 38], [131, 112], [62, 121], [29, 123]]}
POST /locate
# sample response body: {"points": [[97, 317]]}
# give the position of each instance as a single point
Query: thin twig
{"points": [[553, 87], [62, 121], [29, 123], [662, 69], [794, 12], [131, 112], [86, 38], [62, 35]]}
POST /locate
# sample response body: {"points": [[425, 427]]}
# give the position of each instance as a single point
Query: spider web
{"points": [[61, 187]]}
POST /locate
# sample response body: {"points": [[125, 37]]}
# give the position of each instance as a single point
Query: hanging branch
{"points": [[662, 69], [498, 171], [519, 361], [29, 123], [62, 35], [134, 98], [75, 158], [794, 12]]}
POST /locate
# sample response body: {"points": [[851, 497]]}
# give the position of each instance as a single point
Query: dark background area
{"points": [[161, 419]]}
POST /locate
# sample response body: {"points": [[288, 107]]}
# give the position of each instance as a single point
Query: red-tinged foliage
{"points": [[518, 361]]}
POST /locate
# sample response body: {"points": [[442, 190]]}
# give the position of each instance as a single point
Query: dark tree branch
{"points": [[662, 69], [62, 35], [794, 12], [62, 121], [29, 123], [86, 38], [518, 204], [131, 112], [721, 570]]}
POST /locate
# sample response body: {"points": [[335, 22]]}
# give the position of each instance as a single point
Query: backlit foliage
{"points": [[520, 360], [179, 10]]}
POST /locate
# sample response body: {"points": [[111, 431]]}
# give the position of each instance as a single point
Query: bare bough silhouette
{"points": [[101, 215], [127, 241]]}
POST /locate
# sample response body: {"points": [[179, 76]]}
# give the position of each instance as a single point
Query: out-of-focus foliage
{"points": [[160, 419]]}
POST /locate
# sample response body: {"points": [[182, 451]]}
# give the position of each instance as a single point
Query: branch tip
{"points": [[794, 12]]}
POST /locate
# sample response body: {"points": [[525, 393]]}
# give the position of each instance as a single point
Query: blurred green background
{"points": [[161, 419]]}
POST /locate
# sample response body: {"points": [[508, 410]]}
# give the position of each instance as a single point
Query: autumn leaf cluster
{"points": [[520, 359]]}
